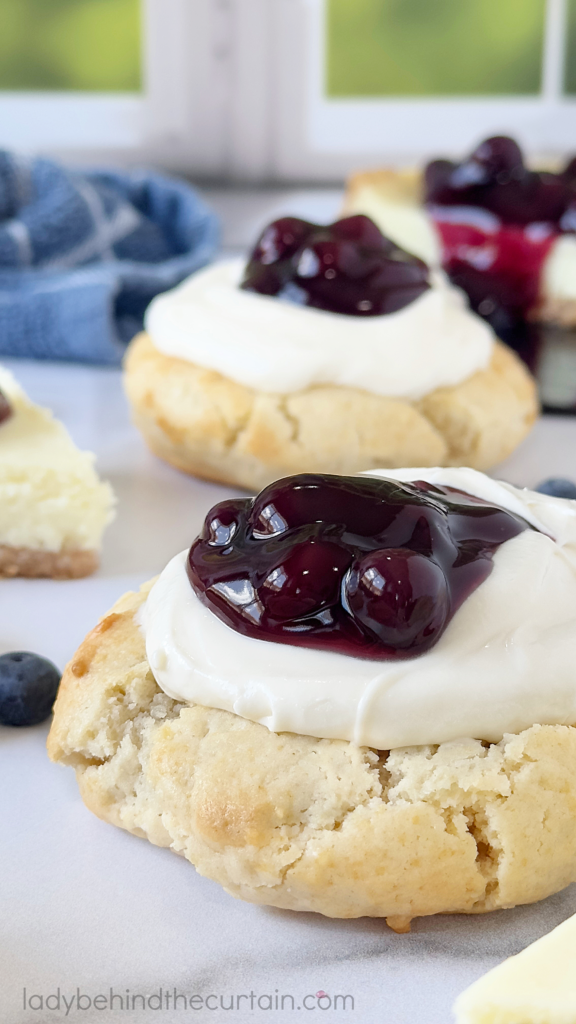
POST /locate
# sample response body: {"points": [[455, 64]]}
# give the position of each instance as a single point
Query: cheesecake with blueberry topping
{"points": [[504, 233]]}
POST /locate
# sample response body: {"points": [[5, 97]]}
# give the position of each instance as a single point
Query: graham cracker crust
{"points": [[56, 565]]}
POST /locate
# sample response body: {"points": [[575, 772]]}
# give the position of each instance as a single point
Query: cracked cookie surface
{"points": [[209, 426], [310, 824]]}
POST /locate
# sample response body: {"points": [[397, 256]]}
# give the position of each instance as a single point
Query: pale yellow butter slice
{"points": [[538, 986]]}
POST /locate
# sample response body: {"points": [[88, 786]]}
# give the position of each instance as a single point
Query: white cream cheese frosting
{"points": [[506, 661], [277, 346], [50, 496]]}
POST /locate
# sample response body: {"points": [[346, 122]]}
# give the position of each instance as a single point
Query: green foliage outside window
{"points": [[373, 47], [91, 45], [434, 47]]}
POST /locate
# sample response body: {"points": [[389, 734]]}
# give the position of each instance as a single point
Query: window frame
{"points": [[178, 118], [318, 138], [233, 91]]}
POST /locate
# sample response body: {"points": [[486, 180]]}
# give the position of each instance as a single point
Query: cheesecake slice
{"points": [[395, 202], [538, 986], [394, 199], [53, 506]]}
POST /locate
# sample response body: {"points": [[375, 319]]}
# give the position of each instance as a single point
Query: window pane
{"points": [[433, 47], [91, 45], [570, 65]]}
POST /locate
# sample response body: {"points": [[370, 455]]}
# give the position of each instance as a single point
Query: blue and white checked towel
{"points": [[83, 253]]}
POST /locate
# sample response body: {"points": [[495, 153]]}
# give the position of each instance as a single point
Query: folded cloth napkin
{"points": [[83, 253]]}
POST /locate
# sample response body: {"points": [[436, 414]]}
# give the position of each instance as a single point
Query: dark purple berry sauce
{"points": [[368, 567], [495, 178], [348, 267], [498, 259], [5, 408]]}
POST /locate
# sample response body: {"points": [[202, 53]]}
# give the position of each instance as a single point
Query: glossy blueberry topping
{"points": [[498, 258], [28, 687], [347, 267], [5, 408], [495, 178], [369, 567], [558, 487]]}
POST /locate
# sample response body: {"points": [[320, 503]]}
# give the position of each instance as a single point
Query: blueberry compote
{"points": [[365, 566], [5, 408], [347, 267], [498, 221]]}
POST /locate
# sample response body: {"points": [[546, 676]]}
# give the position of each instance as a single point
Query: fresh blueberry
{"points": [[28, 687], [558, 487]]}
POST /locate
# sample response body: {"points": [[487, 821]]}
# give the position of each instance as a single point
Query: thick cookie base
{"points": [[311, 824], [211, 427]]}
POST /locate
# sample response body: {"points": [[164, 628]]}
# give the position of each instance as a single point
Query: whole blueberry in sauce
{"points": [[401, 596], [365, 566], [347, 267], [5, 408]]}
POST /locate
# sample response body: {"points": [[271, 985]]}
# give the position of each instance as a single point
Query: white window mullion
{"points": [[252, 92], [296, 71], [210, 86], [165, 59], [187, 59], [554, 50]]}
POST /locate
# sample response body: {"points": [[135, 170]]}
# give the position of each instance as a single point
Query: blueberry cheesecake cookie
{"points": [[353, 695], [332, 350], [53, 507]]}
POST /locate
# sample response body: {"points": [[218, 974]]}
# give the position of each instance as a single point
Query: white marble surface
{"points": [[85, 906]]}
